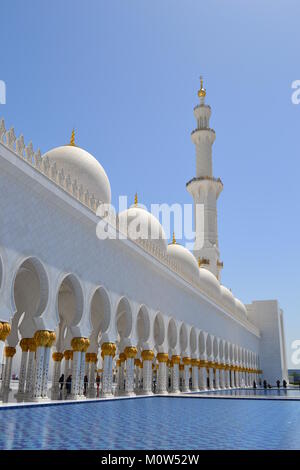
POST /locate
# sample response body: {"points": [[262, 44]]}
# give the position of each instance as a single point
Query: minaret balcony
{"points": [[196, 184], [205, 134]]}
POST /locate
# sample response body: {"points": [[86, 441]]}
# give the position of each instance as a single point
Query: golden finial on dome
{"points": [[136, 199], [72, 141], [173, 239], [202, 91]]}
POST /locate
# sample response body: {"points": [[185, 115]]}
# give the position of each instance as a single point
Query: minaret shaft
{"points": [[205, 190]]}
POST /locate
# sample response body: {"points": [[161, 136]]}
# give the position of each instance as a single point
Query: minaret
{"points": [[205, 190]]}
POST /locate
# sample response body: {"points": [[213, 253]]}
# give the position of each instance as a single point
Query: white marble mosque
{"points": [[143, 315]]}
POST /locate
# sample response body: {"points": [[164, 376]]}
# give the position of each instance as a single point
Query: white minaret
{"points": [[205, 190]]}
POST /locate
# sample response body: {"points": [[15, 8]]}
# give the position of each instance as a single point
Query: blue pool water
{"points": [[257, 393], [154, 423]]}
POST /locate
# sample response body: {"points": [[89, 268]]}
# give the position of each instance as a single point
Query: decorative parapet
{"points": [[77, 191], [47, 168]]}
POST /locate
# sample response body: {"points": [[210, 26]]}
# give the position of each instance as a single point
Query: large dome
{"points": [[227, 298], [184, 258], [209, 283], [83, 167], [240, 308], [139, 224]]}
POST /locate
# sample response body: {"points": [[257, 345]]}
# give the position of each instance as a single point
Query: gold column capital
{"points": [[175, 359], [186, 361], [80, 344], [195, 362], [108, 349], [162, 357], [24, 344], [68, 354], [130, 352], [44, 338], [147, 355], [9, 351], [5, 329], [57, 356]]}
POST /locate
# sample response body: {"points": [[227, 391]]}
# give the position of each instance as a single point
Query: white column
{"points": [[227, 378], [30, 371], [91, 375], [195, 375], [162, 372], [46, 372], [44, 340], [68, 356], [81, 374], [217, 379], [79, 345], [76, 363], [108, 353], [147, 357], [57, 358], [130, 353], [186, 374], [38, 372], [203, 378], [175, 374], [121, 381], [211, 378], [23, 366], [232, 379], [222, 378], [9, 352]]}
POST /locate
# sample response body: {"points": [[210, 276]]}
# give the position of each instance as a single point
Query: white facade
{"points": [[143, 304]]}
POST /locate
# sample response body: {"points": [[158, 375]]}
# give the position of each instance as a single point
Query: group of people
{"points": [[68, 383]]}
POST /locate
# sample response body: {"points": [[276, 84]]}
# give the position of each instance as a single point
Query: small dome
{"points": [[82, 167], [240, 308], [227, 298], [209, 283], [184, 258], [140, 224]]}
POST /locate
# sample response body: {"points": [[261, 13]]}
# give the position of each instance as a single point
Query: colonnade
{"points": [[131, 371]]}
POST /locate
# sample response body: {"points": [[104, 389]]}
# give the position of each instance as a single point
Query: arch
{"points": [[100, 316], [30, 287], [221, 350], [216, 348], [143, 325], [69, 307], [29, 296], [172, 334], [231, 356], [183, 338], [193, 340], [123, 318], [159, 330], [209, 345], [202, 342], [226, 351]]}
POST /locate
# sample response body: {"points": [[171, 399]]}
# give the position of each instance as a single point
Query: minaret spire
{"points": [[205, 189], [72, 140]]}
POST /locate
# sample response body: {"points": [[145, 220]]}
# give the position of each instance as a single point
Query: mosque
{"points": [[143, 315]]}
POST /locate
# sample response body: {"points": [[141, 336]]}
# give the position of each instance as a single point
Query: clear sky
{"points": [[125, 74]]}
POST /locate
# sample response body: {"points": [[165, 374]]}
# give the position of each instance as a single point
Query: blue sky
{"points": [[125, 74]]}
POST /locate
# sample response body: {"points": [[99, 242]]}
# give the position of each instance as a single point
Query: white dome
{"points": [[227, 298], [83, 167], [209, 283], [184, 258], [240, 308], [139, 224]]}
